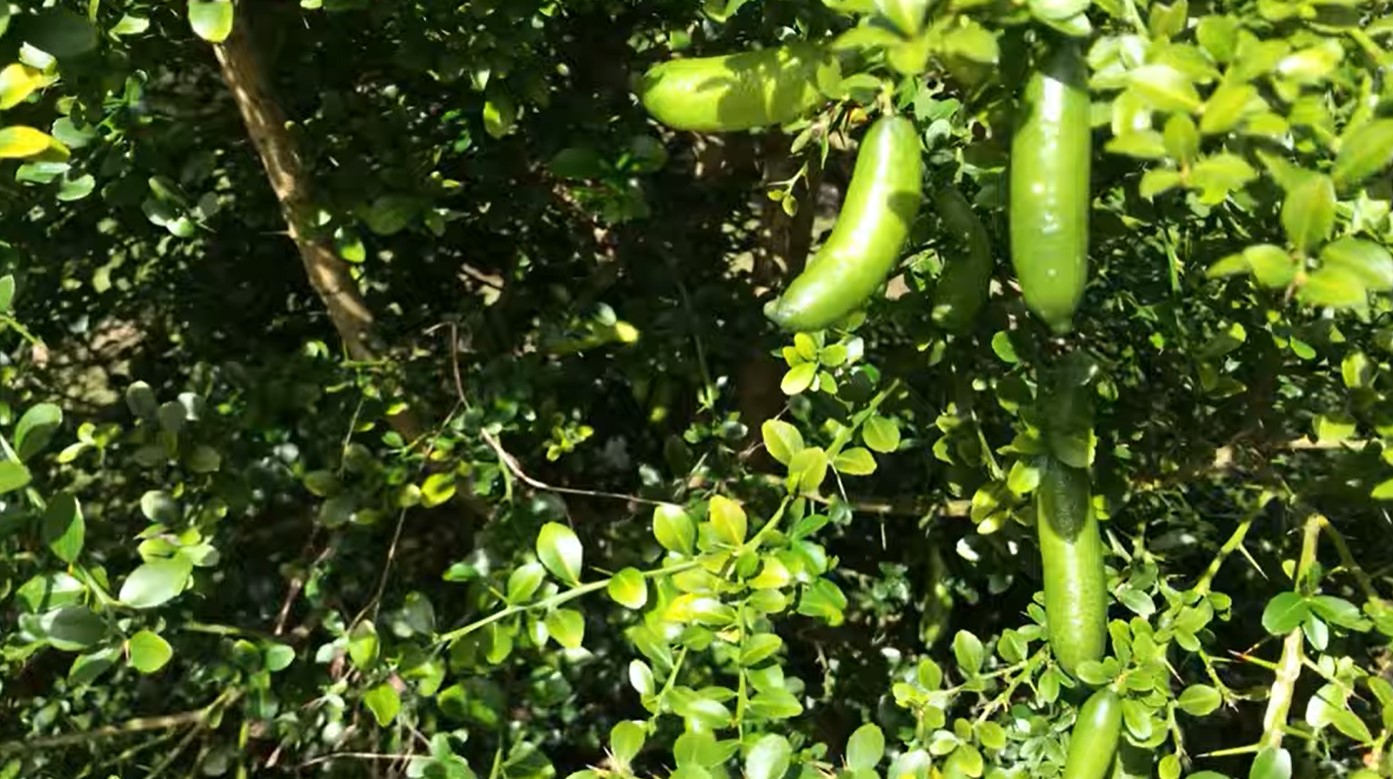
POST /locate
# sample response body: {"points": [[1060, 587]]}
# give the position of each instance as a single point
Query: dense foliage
{"points": [[386, 393]]}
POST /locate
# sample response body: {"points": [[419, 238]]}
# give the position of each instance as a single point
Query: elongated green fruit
{"points": [[737, 91], [1094, 741], [1072, 552], [967, 270], [1050, 155], [881, 203]]}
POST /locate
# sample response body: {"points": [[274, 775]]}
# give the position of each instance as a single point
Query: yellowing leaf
{"points": [[17, 82], [728, 520], [18, 142]]}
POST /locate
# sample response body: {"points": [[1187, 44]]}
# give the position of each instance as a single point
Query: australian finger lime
{"points": [[737, 91], [1071, 551], [967, 268], [1049, 198], [881, 203], [1094, 741]]}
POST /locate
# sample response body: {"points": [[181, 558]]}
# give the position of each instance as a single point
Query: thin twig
{"points": [[511, 463], [137, 725], [1234, 542], [352, 756]]}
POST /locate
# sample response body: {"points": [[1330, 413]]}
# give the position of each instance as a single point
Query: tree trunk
{"points": [[280, 155]]}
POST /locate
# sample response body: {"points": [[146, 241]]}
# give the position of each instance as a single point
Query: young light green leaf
{"points": [[1364, 152], [211, 19], [768, 758], [781, 439], [798, 378], [758, 648], [625, 740], [1228, 106], [1335, 287], [1366, 259], [865, 748], [728, 520], [1164, 88], [967, 650], [674, 529], [363, 645], [1271, 763], [854, 462], [881, 434], [1308, 214], [148, 652], [1199, 700], [807, 470], [567, 626], [560, 551], [524, 581], [384, 702], [628, 588], [13, 476]]}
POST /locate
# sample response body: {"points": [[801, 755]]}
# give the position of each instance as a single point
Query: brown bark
{"points": [[280, 156]]}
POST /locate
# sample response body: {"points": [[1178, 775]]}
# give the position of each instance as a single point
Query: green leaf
{"points": [[438, 489], [1271, 764], [71, 628], [88, 667], [1272, 266], [1164, 88], [279, 657], [628, 588], [1229, 105], [500, 115], [523, 582], [350, 245], [158, 506], [970, 41], [824, 600], [1334, 286], [1337, 611], [1284, 613], [1366, 259], [7, 293], [1218, 175], [881, 434], [567, 626], [798, 378], [854, 462], [674, 529], [1348, 723], [64, 528], [148, 652], [1156, 181], [384, 703], [865, 748], [156, 582], [758, 648], [1002, 348], [728, 520], [1182, 139], [1308, 214], [59, 32], [1364, 152], [768, 758], [560, 551], [363, 645], [781, 439], [1199, 700], [13, 476], [968, 651], [625, 740], [211, 19], [389, 214]]}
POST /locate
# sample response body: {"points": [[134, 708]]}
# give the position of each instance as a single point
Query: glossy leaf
{"points": [[560, 551]]}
